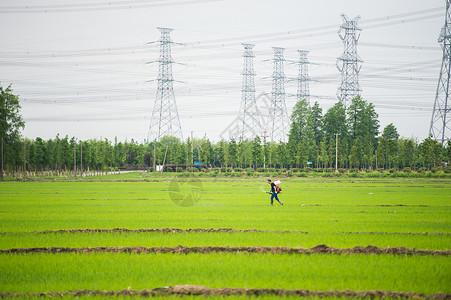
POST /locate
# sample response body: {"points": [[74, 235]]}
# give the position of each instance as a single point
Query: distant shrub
{"points": [[353, 174], [330, 170], [260, 170], [374, 175], [169, 169], [342, 170], [447, 170], [407, 170], [328, 174], [237, 169], [421, 170], [301, 174], [434, 170], [295, 170], [400, 174]]}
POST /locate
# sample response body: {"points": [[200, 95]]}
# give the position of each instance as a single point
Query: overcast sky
{"points": [[81, 67]]}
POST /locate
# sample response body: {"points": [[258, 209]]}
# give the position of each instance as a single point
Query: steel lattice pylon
{"points": [[439, 128], [165, 118], [349, 63], [249, 119], [278, 124], [303, 78]]}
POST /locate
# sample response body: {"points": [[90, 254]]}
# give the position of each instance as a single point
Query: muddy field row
{"points": [[193, 290], [208, 230], [319, 249]]}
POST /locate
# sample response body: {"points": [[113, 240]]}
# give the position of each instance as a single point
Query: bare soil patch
{"points": [[207, 230], [189, 290], [319, 249]]}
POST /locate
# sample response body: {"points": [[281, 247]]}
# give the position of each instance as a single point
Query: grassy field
{"points": [[338, 212]]}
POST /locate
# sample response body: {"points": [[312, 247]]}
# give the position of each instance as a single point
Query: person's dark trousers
{"points": [[274, 195]]}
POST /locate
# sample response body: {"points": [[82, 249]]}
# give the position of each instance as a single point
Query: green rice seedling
{"points": [[322, 272], [232, 239], [310, 205]]}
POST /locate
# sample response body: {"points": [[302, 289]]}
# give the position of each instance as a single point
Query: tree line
{"points": [[345, 138]]}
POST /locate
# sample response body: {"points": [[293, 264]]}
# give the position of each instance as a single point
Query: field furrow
{"points": [[319, 249], [193, 290]]}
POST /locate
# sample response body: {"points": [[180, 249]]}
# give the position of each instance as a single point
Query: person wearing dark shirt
{"points": [[274, 192]]}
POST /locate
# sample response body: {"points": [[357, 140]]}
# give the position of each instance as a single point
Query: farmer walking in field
{"points": [[275, 189]]}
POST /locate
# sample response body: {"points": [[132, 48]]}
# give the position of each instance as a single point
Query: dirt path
{"points": [[320, 249], [188, 290]]}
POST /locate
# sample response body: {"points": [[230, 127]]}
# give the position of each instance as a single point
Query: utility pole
{"points": [[250, 125], [75, 160], [278, 118], [303, 78], [264, 136], [192, 150], [81, 160], [336, 152], [164, 160], [24, 161], [349, 63], [154, 155], [440, 129], [165, 118]]}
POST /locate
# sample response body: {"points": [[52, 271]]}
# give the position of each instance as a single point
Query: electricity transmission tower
{"points": [[165, 118], [278, 124], [303, 79], [349, 63], [440, 115], [250, 125]]}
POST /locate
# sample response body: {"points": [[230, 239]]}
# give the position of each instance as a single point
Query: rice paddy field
{"points": [[140, 234]]}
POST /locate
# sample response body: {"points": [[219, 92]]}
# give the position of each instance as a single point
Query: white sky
{"points": [[80, 68]]}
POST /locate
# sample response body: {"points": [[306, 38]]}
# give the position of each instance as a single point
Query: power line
{"points": [[103, 6]]}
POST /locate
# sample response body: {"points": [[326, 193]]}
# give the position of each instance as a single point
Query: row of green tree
{"points": [[340, 138], [312, 143]]}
